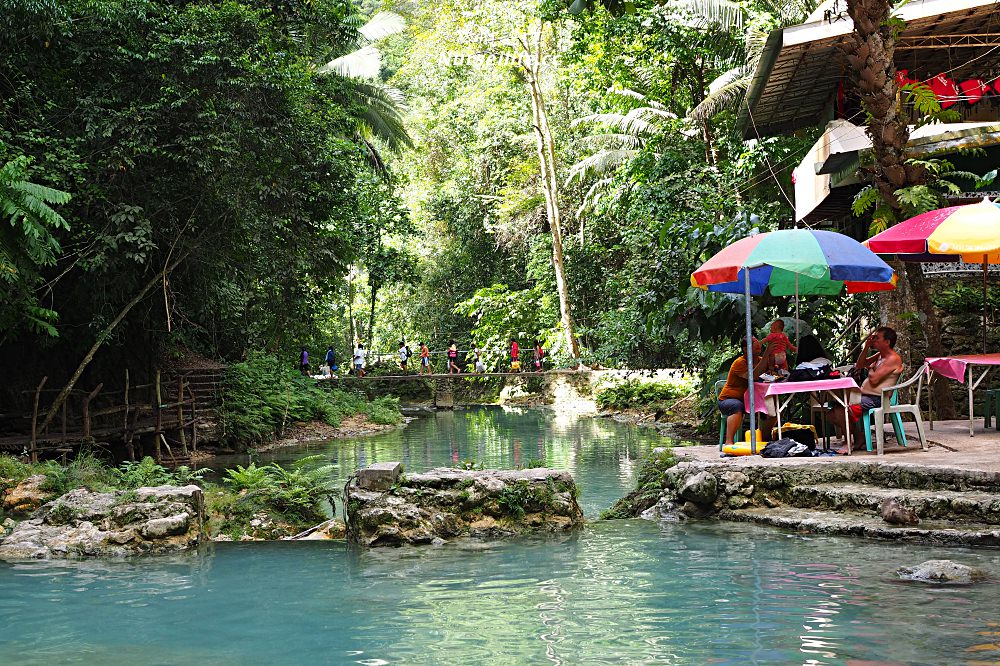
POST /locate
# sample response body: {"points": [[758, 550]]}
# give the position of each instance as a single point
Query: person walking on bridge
{"points": [[453, 359], [515, 351], [404, 355], [359, 361], [425, 358]]}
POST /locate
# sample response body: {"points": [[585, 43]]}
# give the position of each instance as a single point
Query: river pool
{"points": [[624, 592]]}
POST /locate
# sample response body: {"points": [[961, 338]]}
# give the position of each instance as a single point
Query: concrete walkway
{"points": [[949, 446]]}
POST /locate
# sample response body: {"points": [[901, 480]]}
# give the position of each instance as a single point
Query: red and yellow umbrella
{"points": [[970, 233]]}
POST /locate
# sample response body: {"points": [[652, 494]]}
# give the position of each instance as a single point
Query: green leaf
{"points": [[864, 200]]}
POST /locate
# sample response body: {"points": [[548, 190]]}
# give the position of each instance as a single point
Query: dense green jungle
{"points": [[236, 178]]}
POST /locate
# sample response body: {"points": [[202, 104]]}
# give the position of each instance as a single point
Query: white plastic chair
{"points": [[913, 408]]}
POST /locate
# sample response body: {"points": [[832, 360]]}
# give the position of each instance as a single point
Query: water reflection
{"points": [[601, 455]]}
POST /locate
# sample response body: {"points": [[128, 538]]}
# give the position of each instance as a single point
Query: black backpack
{"points": [[810, 374]]}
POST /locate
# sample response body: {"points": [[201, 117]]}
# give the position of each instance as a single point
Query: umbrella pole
{"points": [[985, 298], [749, 352], [796, 316]]}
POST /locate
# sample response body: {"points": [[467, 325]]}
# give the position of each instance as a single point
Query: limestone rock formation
{"points": [[940, 571], [445, 503], [27, 496], [83, 523], [701, 489]]}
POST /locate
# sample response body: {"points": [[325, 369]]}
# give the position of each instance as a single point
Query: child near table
{"points": [[778, 343]]}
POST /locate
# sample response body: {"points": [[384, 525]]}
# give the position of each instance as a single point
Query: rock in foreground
{"points": [[445, 503], [940, 571], [83, 523]]}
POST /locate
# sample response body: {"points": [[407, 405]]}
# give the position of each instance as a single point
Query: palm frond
{"points": [[593, 195], [600, 163], [613, 140], [382, 113], [724, 13], [382, 25], [365, 63], [729, 95]]}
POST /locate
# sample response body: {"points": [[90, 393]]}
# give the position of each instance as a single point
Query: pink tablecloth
{"points": [[954, 367], [763, 391]]}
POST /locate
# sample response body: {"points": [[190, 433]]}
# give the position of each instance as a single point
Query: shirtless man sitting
{"points": [[884, 368]]}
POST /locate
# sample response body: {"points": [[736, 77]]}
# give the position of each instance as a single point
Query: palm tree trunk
{"points": [[870, 52]]}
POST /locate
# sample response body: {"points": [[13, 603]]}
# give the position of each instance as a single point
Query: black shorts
{"points": [[731, 406]]}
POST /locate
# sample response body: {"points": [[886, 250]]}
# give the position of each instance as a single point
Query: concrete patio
{"points": [[949, 446]]}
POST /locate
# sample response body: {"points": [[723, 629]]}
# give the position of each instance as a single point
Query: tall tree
{"points": [[516, 37], [871, 54]]}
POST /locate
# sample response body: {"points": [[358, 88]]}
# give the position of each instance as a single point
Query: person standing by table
{"points": [[731, 403], [883, 369]]}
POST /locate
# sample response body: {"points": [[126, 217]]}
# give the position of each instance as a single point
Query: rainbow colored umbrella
{"points": [[795, 261], [970, 233], [792, 262]]}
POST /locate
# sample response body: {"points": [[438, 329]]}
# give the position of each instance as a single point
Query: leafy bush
{"points": [[384, 411], [88, 471], [966, 299], [147, 472], [634, 393], [85, 471], [12, 471], [514, 498], [294, 494], [250, 479], [261, 396]]}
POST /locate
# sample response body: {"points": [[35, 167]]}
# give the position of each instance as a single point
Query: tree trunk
{"points": [[550, 189], [102, 336], [870, 53], [371, 318], [350, 310]]}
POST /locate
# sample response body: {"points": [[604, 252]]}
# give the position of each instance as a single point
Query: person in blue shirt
{"points": [[331, 359]]}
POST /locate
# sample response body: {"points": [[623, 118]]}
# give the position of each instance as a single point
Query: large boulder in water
{"points": [[83, 523], [445, 503], [940, 571]]}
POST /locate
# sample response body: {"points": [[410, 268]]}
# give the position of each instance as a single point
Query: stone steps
{"points": [[946, 505], [867, 526]]}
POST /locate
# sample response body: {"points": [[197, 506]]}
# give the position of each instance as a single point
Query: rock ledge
{"points": [[445, 503], [83, 523]]}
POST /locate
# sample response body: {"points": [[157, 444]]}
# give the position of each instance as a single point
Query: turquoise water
{"points": [[602, 455], [624, 592]]}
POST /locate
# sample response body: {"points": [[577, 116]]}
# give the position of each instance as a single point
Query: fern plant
{"points": [[26, 243]]}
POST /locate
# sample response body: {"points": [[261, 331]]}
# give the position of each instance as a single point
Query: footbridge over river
{"points": [[445, 391]]}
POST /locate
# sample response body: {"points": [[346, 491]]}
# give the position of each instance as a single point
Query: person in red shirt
{"points": [[515, 363]]}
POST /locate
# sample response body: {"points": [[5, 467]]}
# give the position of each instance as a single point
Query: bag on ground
{"points": [[779, 448]]}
